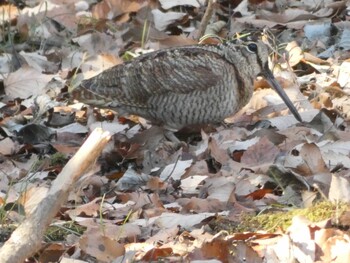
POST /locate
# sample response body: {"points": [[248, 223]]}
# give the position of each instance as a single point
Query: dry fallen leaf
{"points": [[26, 82], [262, 152], [109, 9], [101, 247]]}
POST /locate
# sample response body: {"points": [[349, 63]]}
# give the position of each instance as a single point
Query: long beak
{"points": [[272, 81]]}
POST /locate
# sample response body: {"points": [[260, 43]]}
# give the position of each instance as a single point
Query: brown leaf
{"points": [[199, 205], [103, 248], [217, 248], [262, 152], [156, 253], [259, 194], [216, 152], [52, 253], [313, 162], [109, 9]]}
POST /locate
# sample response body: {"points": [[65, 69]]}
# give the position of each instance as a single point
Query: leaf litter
{"points": [[145, 200]]}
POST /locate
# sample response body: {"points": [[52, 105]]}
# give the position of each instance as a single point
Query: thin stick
{"points": [[26, 239], [206, 18]]}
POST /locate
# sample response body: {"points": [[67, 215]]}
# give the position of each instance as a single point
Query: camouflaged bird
{"points": [[181, 86]]}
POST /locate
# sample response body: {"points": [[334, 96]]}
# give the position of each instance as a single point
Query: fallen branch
{"points": [[26, 239], [206, 18]]}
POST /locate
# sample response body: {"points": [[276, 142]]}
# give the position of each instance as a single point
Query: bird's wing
{"points": [[177, 71]]}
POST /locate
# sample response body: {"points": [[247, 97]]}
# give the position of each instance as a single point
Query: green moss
{"points": [[273, 219], [58, 159], [281, 220]]}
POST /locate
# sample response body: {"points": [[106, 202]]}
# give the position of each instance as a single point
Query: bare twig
{"points": [[206, 18], [26, 239]]}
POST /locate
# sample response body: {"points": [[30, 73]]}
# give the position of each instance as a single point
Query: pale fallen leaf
{"points": [[303, 245], [339, 189], [164, 236], [73, 128], [318, 30], [190, 184], [175, 170], [32, 197], [112, 127], [262, 23], [243, 145], [333, 159], [38, 62], [242, 8], [246, 186], [6, 191], [170, 220], [295, 53], [5, 65], [72, 59], [220, 188], [343, 75], [281, 251], [81, 6], [283, 122], [28, 165], [309, 198], [167, 4], [162, 20], [335, 152], [345, 39], [71, 260], [8, 12], [8, 146], [294, 14], [131, 180], [26, 82], [335, 245]]}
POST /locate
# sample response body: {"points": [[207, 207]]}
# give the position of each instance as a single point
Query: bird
{"points": [[182, 86]]}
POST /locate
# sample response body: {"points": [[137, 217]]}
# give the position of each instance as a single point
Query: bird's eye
{"points": [[252, 47]]}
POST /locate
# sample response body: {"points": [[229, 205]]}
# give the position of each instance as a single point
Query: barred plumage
{"points": [[181, 86]]}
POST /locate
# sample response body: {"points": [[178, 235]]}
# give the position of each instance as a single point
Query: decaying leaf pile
{"points": [[146, 200]]}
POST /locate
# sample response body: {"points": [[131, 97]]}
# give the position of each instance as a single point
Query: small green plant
{"points": [[59, 232]]}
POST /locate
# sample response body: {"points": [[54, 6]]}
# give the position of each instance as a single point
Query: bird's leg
{"points": [[171, 137], [176, 143]]}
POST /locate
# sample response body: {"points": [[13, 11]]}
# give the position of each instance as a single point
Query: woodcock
{"points": [[181, 86]]}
